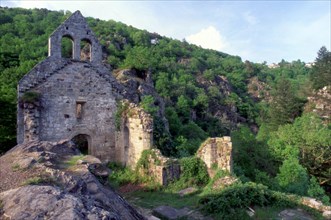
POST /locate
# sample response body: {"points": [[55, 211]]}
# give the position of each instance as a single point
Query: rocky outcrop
{"points": [[258, 90], [58, 190], [226, 112], [320, 103], [138, 84]]}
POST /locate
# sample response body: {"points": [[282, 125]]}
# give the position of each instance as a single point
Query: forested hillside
{"points": [[206, 92]]}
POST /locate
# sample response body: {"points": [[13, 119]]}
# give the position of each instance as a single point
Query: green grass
{"points": [[43, 179], [269, 212], [73, 160], [15, 167], [152, 199], [33, 181]]}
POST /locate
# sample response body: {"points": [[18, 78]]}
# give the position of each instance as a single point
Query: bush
{"points": [[121, 175], [316, 191], [240, 196], [219, 174], [30, 97], [292, 177], [194, 171]]}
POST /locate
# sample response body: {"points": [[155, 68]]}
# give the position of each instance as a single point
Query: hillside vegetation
{"points": [[206, 92]]}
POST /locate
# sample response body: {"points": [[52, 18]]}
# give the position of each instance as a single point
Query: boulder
{"points": [[327, 215], [26, 162], [60, 193], [187, 191], [170, 213]]}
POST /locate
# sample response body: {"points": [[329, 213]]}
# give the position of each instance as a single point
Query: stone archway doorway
{"points": [[82, 142]]}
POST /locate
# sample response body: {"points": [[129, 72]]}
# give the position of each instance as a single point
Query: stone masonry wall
{"points": [[163, 169], [78, 87], [135, 135], [31, 121], [217, 152]]}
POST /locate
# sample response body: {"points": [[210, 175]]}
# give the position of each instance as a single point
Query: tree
{"points": [[307, 139], [250, 155], [321, 72], [285, 106]]}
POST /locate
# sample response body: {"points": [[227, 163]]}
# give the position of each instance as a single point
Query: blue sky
{"points": [[255, 30]]}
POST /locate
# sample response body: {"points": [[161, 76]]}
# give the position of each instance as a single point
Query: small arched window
{"points": [[85, 50], [67, 47]]}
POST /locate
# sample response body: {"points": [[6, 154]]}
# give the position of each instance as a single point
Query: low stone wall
{"points": [[163, 169], [216, 153]]}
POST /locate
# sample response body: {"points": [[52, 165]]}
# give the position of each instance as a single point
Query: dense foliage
{"points": [[206, 93], [233, 201]]}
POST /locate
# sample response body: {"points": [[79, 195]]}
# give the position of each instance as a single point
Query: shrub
{"points": [[121, 175], [30, 97], [147, 103], [121, 110], [219, 174], [292, 177], [316, 191], [143, 162], [194, 171], [240, 196]]}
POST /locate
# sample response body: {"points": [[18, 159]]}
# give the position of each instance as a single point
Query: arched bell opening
{"points": [[67, 47], [85, 50]]}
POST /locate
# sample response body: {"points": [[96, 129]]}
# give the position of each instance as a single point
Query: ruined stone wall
{"points": [[135, 134], [217, 153], [31, 120], [163, 169], [76, 100], [80, 98]]}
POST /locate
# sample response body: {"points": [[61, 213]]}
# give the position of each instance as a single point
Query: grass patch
{"points": [[270, 212], [15, 167], [152, 199], [123, 175], [73, 160], [40, 180]]}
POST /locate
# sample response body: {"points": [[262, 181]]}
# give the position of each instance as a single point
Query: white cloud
{"points": [[209, 38]]}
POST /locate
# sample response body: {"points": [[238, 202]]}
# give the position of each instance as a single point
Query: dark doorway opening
{"points": [[81, 142]]}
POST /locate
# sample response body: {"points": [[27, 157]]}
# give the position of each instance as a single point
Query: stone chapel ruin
{"points": [[64, 98], [80, 100]]}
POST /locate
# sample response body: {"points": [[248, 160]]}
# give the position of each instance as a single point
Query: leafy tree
{"points": [[250, 155], [307, 139], [147, 103]]}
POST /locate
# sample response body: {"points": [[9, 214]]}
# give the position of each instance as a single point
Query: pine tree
{"points": [[321, 72], [285, 106]]}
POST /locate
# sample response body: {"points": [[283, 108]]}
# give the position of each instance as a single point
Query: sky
{"points": [[256, 30]]}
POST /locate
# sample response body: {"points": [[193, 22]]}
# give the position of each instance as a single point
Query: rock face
{"points": [[320, 103], [59, 190], [63, 98], [228, 114], [216, 153]]}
